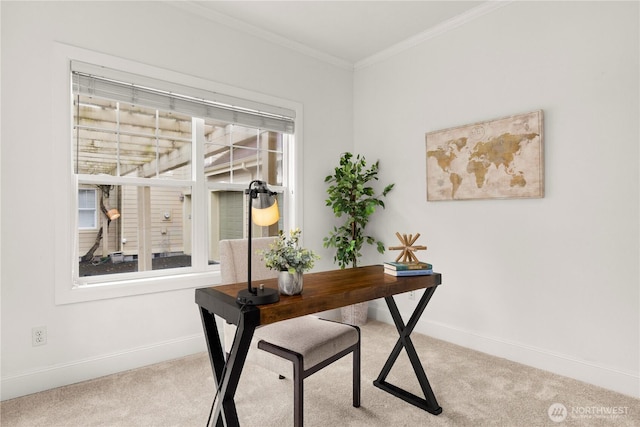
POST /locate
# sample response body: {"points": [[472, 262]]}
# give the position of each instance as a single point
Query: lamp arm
{"points": [[249, 231]]}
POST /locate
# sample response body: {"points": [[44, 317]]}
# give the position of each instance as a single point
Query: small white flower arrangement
{"points": [[285, 254]]}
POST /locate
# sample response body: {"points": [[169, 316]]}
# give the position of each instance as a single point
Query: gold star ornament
{"points": [[408, 248]]}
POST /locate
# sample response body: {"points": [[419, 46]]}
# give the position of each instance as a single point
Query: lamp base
{"points": [[262, 296]]}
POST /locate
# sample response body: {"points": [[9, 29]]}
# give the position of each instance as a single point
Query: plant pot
{"points": [[290, 283], [355, 314]]}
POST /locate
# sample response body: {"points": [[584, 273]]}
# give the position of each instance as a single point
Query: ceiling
{"points": [[345, 32]]}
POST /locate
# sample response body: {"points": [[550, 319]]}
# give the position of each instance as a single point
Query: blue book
{"points": [[422, 272], [408, 265]]}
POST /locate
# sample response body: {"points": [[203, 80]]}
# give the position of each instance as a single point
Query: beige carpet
{"points": [[473, 389]]}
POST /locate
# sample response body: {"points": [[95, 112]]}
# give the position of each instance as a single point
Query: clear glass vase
{"points": [[290, 283]]}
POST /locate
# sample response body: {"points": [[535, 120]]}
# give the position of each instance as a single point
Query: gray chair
{"points": [[294, 348]]}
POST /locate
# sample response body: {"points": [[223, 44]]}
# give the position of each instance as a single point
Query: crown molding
{"points": [[233, 23], [195, 8], [433, 32]]}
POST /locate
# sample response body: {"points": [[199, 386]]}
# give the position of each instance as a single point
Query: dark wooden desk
{"points": [[322, 291]]}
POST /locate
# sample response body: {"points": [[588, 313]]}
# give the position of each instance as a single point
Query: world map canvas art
{"points": [[495, 159]]}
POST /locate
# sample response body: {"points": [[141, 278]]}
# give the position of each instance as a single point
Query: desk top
{"points": [[322, 291]]}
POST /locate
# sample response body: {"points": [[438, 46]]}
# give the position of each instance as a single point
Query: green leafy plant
{"points": [[351, 194], [285, 254]]}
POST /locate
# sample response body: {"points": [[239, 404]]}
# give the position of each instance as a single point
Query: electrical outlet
{"points": [[39, 336], [412, 295]]}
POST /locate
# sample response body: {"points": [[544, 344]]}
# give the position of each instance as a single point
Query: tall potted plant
{"points": [[351, 195]]}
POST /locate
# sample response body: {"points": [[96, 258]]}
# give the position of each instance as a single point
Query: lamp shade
{"points": [[265, 212]]}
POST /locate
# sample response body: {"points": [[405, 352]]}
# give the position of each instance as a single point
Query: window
{"points": [[171, 163], [86, 209]]}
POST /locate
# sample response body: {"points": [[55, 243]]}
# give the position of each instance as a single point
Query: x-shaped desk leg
{"points": [[227, 374], [429, 403]]}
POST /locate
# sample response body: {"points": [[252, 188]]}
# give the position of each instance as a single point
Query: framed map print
{"points": [[496, 159]]}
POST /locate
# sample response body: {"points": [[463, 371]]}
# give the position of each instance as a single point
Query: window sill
{"points": [[132, 287]]}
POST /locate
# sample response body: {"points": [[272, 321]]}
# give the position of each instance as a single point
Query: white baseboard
{"points": [[611, 379], [82, 370]]}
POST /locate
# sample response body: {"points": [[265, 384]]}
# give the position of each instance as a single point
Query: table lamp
{"points": [[263, 211]]}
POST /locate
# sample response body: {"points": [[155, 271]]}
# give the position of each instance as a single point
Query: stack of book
{"points": [[408, 268]]}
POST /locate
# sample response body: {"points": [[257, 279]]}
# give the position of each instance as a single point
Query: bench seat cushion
{"points": [[315, 339]]}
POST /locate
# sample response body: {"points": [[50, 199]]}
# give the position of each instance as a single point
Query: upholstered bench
{"points": [[317, 344]]}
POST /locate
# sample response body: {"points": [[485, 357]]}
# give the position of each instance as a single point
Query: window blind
{"points": [[115, 85]]}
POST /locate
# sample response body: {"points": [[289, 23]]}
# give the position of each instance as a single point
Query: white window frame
{"points": [[65, 183]]}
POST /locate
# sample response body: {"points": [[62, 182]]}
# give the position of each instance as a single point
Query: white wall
{"points": [[550, 282], [86, 340]]}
